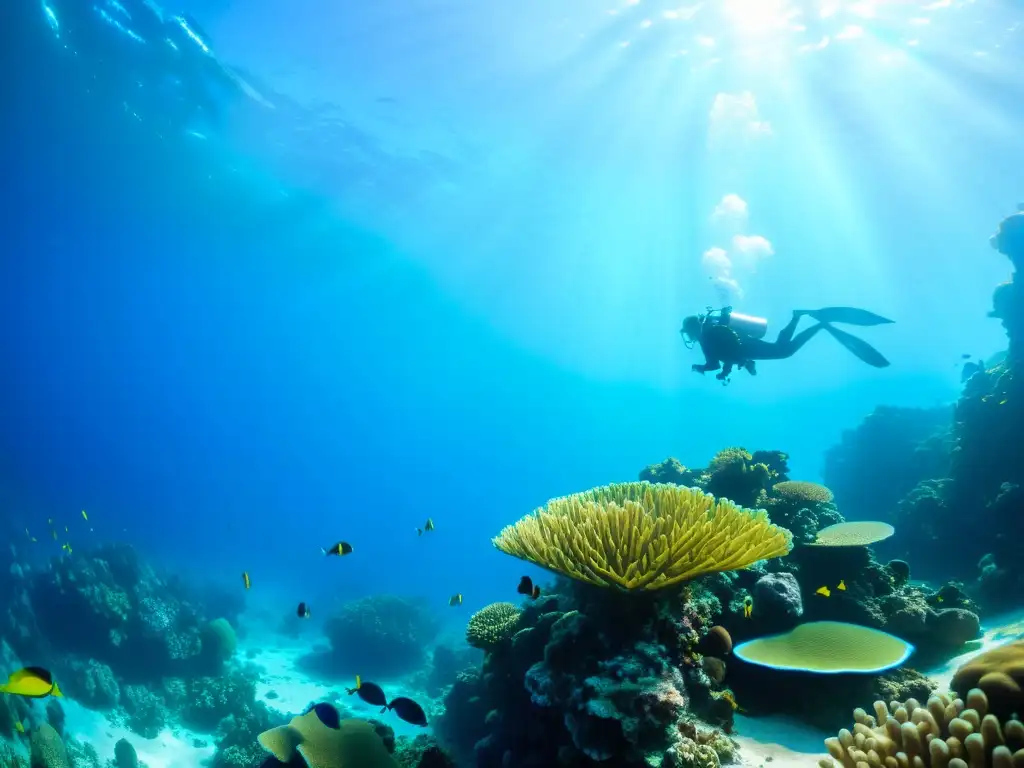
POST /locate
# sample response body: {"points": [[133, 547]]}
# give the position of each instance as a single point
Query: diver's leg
{"points": [[783, 348], [786, 334]]}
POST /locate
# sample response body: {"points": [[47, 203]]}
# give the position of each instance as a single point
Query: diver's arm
{"points": [[710, 363]]}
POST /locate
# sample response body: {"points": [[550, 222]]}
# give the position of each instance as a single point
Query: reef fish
{"points": [[455, 600], [371, 693], [303, 611], [528, 588], [748, 606], [33, 682], [340, 549], [85, 516], [824, 591], [246, 580], [408, 710], [427, 526]]}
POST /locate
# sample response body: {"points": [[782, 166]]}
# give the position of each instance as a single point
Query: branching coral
{"points": [[640, 536], [493, 625], [945, 733]]}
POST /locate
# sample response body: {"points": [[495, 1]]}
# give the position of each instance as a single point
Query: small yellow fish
{"points": [[19, 727], [823, 591], [245, 579], [748, 606], [33, 539], [66, 548], [32, 682], [85, 516], [455, 600], [938, 598], [428, 526], [842, 585], [65, 529]]}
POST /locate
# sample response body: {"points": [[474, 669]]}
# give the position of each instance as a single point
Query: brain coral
{"points": [[643, 536], [803, 492], [827, 647], [47, 748], [999, 673], [492, 625], [858, 534], [941, 734]]}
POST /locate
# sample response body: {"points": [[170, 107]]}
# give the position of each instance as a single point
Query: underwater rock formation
{"points": [[380, 636], [896, 448], [590, 675]]}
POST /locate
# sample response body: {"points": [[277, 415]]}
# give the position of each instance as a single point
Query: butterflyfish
{"points": [[32, 682]]}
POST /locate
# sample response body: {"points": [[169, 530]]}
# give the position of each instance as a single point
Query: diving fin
{"points": [[858, 347], [846, 315]]}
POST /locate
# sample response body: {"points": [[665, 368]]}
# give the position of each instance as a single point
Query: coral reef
{"points": [[967, 468], [827, 647], [944, 733], [47, 748], [493, 625], [639, 536], [380, 636], [897, 448], [591, 675], [803, 508], [999, 674]]}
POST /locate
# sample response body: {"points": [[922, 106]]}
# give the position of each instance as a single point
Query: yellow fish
{"points": [[842, 585], [938, 598], [455, 600], [33, 682], [67, 548], [19, 727], [85, 516], [245, 579], [823, 591], [748, 606], [428, 526]]}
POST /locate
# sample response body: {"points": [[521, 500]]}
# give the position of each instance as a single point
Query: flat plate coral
{"points": [[827, 647]]}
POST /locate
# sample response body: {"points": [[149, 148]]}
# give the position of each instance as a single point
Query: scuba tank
{"points": [[745, 325]]}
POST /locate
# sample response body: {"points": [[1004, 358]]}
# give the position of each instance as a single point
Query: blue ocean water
{"points": [[340, 268]]}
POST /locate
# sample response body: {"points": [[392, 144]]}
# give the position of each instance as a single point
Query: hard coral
{"points": [[944, 732], [734, 475], [669, 471], [999, 673], [639, 536], [493, 625], [47, 748]]}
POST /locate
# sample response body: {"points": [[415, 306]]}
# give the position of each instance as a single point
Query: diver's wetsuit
{"points": [[725, 348]]}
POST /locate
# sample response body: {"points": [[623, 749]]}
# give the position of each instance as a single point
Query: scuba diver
{"points": [[729, 339]]}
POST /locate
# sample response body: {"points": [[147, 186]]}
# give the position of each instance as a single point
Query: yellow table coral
{"points": [[643, 536]]}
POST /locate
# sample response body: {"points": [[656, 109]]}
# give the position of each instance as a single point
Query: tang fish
{"points": [[371, 693], [823, 591], [408, 710], [327, 741], [340, 549]]}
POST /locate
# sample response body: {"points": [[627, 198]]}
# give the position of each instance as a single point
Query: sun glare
{"points": [[759, 17]]}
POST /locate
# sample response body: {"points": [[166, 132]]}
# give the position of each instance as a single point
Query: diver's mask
{"points": [[692, 328]]}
